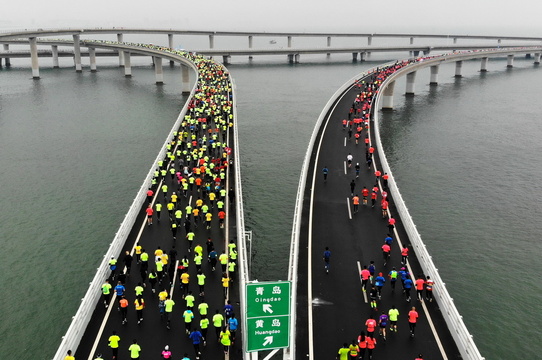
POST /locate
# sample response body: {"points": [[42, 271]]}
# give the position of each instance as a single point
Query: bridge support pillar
{"points": [[211, 41], [121, 53], [410, 83], [369, 40], [434, 75], [536, 59], [458, 66], [499, 41], [158, 71], [296, 58], [416, 53], [92, 56], [7, 60], [226, 59], [34, 56], [54, 51], [455, 40], [328, 44], [354, 56], [387, 96], [411, 40], [185, 71], [171, 46], [427, 52], [362, 56], [510, 61], [127, 64], [528, 56], [483, 65], [289, 41], [290, 58], [77, 53]]}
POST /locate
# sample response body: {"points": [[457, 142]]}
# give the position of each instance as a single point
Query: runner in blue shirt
{"points": [[196, 338], [120, 289], [408, 285], [379, 283], [327, 256], [233, 324]]}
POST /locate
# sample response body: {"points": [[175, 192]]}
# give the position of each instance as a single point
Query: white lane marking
{"points": [[345, 141], [361, 280], [348, 205], [345, 168], [174, 278], [309, 241]]}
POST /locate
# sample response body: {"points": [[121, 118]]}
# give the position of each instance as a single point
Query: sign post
{"points": [[268, 315]]}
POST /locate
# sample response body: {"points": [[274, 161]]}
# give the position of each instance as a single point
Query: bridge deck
{"points": [[152, 334], [339, 308]]}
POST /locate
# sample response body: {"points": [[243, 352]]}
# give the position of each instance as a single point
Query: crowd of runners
{"points": [[183, 248], [376, 275]]}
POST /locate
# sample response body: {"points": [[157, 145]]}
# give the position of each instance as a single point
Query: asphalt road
{"points": [[337, 302]]}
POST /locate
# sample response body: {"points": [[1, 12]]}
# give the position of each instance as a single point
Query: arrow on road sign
{"points": [[267, 308], [268, 340]]}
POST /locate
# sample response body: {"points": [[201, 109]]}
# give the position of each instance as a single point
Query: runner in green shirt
{"points": [[343, 352], [218, 320], [169, 309], [393, 313], [134, 350]]}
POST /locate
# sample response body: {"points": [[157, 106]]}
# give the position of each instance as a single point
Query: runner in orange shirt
{"points": [[149, 212], [355, 202], [412, 320]]}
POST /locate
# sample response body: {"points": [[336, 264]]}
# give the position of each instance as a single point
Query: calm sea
{"points": [[76, 147]]}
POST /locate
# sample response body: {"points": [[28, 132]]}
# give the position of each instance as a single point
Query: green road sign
{"points": [[268, 315]]}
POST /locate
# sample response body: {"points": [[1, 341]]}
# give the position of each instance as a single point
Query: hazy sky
{"points": [[496, 17]]}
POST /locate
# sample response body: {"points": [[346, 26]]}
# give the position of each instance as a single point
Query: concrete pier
{"points": [[54, 51], [171, 46], [185, 71], [510, 61], [328, 44], [410, 83], [121, 54], [536, 58], [387, 96], [7, 60], [158, 71], [296, 58], [483, 65], [250, 41], [433, 80], [289, 41], [226, 59], [92, 57], [362, 56], [458, 66], [354, 56], [34, 56], [211, 41], [77, 53], [411, 40], [127, 64], [455, 40]]}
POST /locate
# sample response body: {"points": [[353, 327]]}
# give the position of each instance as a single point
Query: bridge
{"points": [[293, 53], [319, 204]]}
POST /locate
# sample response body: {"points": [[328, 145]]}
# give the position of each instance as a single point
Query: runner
{"points": [[123, 303], [386, 253], [420, 283], [355, 202], [393, 314], [168, 308], [352, 187], [379, 283], [404, 255], [362, 342], [365, 194], [354, 350], [134, 350], [371, 344], [365, 275], [325, 171], [139, 306], [166, 354], [225, 339], [327, 256], [382, 323], [218, 321], [114, 340], [196, 337], [69, 356], [429, 289], [392, 275], [233, 324], [407, 287], [349, 159], [343, 352], [412, 320], [357, 167], [188, 315], [149, 212], [371, 326], [106, 293]]}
